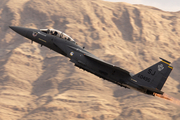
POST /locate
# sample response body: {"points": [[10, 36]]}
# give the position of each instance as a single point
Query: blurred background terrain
{"points": [[37, 83]]}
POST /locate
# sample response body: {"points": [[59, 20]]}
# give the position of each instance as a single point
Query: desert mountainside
{"points": [[38, 83]]}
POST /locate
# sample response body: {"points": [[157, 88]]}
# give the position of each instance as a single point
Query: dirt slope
{"points": [[37, 83]]}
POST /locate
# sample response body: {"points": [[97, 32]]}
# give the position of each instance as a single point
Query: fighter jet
{"points": [[149, 81]]}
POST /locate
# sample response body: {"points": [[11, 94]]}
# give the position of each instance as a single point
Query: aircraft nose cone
{"points": [[20, 30]]}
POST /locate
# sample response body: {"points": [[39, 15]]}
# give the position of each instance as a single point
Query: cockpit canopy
{"points": [[57, 33]]}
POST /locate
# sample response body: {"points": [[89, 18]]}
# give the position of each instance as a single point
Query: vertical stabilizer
{"points": [[154, 76]]}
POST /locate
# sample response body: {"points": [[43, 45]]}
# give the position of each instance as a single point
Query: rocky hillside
{"points": [[37, 83]]}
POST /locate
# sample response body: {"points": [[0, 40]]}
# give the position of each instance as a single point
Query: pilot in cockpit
{"points": [[57, 34], [61, 35], [52, 32], [48, 31]]}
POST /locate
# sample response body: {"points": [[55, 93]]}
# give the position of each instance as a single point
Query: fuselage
{"points": [[65, 45]]}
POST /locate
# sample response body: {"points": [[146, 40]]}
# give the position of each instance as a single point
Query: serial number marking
{"points": [[147, 79]]}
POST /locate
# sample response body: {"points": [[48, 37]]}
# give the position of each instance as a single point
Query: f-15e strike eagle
{"points": [[150, 81]]}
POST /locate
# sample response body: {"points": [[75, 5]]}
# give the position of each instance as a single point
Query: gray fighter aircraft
{"points": [[150, 81]]}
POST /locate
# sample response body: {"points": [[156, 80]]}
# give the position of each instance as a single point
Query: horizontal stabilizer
{"points": [[152, 90]]}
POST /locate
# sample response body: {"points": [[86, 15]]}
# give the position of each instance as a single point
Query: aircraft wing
{"points": [[96, 59]]}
